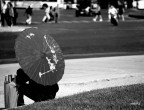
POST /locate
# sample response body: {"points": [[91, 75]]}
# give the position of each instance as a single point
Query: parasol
{"points": [[40, 56]]}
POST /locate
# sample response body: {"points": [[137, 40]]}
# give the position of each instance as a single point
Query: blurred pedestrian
{"points": [[112, 12], [28, 13], [47, 13], [15, 16], [121, 10], [56, 14], [3, 13], [96, 9], [0, 10], [51, 13], [10, 13], [112, 15]]}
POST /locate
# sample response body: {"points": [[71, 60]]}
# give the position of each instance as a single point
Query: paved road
{"points": [[91, 73]]}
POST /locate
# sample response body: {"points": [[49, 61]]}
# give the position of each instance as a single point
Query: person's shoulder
{"points": [[47, 9]]}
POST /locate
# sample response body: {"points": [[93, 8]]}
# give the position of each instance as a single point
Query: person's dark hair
{"points": [[54, 9], [10, 4], [51, 7], [4, 2], [45, 5]]}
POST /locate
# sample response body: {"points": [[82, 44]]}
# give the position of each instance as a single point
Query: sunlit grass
{"points": [[117, 98]]}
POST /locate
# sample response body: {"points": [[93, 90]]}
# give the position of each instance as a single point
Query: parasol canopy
{"points": [[40, 56]]}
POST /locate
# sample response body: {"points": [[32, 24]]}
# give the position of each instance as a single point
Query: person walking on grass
{"points": [[56, 14], [15, 16], [3, 13], [96, 9], [29, 13], [51, 14], [112, 15], [10, 13], [47, 13], [121, 10]]}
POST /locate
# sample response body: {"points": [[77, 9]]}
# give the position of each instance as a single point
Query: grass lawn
{"points": [[82, 38], [116, 98]]}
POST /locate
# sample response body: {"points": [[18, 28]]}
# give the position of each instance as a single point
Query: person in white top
{"points": [[112, 15], [112, 12], [47, 13], [3, 13]]}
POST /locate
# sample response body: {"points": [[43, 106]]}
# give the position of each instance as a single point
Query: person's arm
{"points": [[99, 8], [123, 9], [21, 77], [109, 14], [31, 11]]}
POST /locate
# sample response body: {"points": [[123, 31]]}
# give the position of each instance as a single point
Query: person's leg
{"points": [[114, 20], [2, 19], [7, 19], [44, 19], [12, 21], [48, 17], [118, 16], [28, 21], [38, 92], [122, 17], [28, 91], [100, 18], [50, 91], [95, 18], [56, 18], [20, 101], [15, 17]]}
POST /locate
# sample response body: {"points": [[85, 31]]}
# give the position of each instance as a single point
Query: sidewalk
{"points": [[90, 73], [14, 28]]}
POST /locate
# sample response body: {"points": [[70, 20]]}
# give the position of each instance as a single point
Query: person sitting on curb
{"points": [[33, 90]]}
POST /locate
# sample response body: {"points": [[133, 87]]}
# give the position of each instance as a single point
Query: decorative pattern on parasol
{"points": [[40, 56]]}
